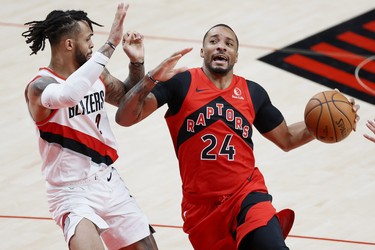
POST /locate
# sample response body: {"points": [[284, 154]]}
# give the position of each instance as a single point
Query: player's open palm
{"points": [[115, 35], [132, 44], [166, 70]]}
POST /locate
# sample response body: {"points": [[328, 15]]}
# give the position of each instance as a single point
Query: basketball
{"points": [[329, 116]]}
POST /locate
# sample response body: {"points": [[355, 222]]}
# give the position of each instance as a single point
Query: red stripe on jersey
{"points": [[91, 142]]}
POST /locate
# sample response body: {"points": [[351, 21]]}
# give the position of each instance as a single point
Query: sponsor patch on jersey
{"points": [[341, 57], [237, 93]]}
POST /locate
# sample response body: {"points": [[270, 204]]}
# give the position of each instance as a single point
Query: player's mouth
{"points": [[220, 58]]}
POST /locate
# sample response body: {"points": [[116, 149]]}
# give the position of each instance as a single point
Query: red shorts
{"points": [[213, 224]]}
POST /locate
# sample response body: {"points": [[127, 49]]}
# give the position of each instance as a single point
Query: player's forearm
{"points": [[300, 135], [76, 85], [107, 49], [133, 108], [136, 73]]}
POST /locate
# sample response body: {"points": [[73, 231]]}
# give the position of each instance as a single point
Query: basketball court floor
{"points": [[330, 187]]}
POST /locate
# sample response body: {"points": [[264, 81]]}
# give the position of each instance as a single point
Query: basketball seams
{"points": [[327, 103], [318, 120], [343, 113], [313, 109], [329, 116], [338, 108]]}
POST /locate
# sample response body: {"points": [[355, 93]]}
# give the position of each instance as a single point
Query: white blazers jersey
{"points": [[76, 142]]}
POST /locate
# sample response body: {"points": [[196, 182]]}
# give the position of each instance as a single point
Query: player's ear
{"points": [[202, 53], [69, 44], [236, 57]]}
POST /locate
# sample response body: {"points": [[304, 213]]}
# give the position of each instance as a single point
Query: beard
{"points": [[218, 70], [80, 58]]}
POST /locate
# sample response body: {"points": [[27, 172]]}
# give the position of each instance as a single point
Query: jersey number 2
{"points": [[97, 121]]}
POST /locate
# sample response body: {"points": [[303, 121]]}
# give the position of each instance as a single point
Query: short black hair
{"points": [[222, 25], [57, 24]]}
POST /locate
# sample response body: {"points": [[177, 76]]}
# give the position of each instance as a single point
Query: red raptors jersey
{"points": [[212, 136]]}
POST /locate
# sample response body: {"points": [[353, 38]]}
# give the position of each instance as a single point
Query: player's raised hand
{"points": [[115, 35], [165, 70], [132, 44]]}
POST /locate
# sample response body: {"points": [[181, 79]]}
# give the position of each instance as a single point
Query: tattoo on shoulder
{"points": [[41, 83]]}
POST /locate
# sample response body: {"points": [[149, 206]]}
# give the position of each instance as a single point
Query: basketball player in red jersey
{"points": [[86, 195], [211, 115]]}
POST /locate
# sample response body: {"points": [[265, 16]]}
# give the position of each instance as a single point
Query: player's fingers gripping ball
{"points": [[329, 116]]}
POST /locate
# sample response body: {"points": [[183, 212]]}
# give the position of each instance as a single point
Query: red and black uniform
{"points": [[211, 131]]}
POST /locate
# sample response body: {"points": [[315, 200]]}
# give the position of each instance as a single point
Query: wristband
{"points": [[152, 79], [137, 64], [110, 45]]}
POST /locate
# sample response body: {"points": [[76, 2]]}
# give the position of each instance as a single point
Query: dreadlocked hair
{"points": [[57, 24]]}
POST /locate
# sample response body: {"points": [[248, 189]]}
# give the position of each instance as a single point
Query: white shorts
{"points": [[103, 199]]}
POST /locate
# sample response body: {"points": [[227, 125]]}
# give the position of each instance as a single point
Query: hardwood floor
{"points": [[330, 186]]}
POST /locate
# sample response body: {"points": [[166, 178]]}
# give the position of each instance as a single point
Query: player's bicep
{"points": [[36, 88], [278, 134], [34, 93], [268, 118]]}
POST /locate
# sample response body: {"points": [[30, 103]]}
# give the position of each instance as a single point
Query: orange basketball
{"points": [[329, 116]]}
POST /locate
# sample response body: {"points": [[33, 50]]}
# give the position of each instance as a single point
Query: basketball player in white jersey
{"points": [[86, 196]]}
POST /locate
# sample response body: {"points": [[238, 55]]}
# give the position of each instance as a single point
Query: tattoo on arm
{"points": [[106, 50], [141, 92], [37, 111], [115, 89], [40, 84], [136, 73]]}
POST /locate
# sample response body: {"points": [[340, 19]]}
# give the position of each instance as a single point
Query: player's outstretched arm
{"points": [[288, 137], [116, 32], [139, 103], [132, 45]]}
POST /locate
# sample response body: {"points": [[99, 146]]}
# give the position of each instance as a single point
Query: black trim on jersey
{"points": [[183, 135], [267, 116], [173, 92], [249, 201], [76, 147]]}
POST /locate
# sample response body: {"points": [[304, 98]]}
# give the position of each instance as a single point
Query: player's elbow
{"points": [[293, 144], [120, 120], [284, 148], [126, 119]]}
